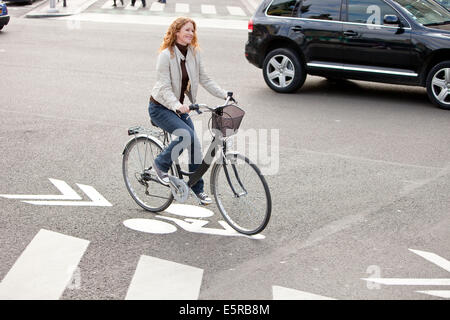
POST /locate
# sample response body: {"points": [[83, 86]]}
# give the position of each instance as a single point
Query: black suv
{"points": [[391, 41]]}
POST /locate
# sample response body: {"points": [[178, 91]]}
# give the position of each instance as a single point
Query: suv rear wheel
{"points": [[283, 71], [438, 85]]}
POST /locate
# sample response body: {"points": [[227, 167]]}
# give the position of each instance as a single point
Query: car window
{"points": [[425, 12], [320, 9], [444, 3], [368, 11], [284, 8]]}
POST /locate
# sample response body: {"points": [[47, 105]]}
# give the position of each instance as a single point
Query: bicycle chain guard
{"points": [[179, 188]]}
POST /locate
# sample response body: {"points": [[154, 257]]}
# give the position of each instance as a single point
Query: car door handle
{"points": [[297, 29], [350, 33]]}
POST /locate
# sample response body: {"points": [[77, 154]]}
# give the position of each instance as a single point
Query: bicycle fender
{"points": [[139, 136]]}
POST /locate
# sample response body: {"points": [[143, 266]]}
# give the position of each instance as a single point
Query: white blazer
{"points": [[167, 89]]}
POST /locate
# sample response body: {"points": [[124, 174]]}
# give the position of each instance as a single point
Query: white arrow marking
{"points": [[409, 282], [281, 293], [97, 199], [433, 258], [437, 293], [157, 279], [67, 193]]}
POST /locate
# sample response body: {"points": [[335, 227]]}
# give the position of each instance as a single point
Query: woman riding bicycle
{"points": [[179, 71]]}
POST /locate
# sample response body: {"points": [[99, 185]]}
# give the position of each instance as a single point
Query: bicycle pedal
{"points": [[179, 188]]}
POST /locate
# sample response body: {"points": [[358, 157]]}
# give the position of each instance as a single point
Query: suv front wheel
{"points": [[438, 85], [283, 71]]}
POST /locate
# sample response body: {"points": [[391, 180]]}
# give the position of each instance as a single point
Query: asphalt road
{"points": [[361, 179]]}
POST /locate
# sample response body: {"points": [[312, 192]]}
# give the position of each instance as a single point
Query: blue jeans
{"points": [[183, 128]]}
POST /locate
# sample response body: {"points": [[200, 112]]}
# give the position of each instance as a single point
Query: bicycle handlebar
{"points": [[196, 106]]}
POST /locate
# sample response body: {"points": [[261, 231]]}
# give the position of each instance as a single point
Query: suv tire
{"points": [[438, 85], [283, 71]]}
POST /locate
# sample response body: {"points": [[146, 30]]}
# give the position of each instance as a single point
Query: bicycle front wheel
{"points": [[140, 177], [241, 193]]}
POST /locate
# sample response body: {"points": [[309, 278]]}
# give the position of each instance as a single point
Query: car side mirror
{"points": [[391, 19]]}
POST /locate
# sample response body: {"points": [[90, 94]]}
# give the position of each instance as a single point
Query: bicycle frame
{"points": [[195, 176]]}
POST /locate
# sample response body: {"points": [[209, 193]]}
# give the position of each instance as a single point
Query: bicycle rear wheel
{"points": [[140, 178], [242, 194]]}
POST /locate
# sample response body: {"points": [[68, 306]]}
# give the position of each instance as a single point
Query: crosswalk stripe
{"points": [[108, 4], [236, 11], [157, 7], [157, 279], [45, 267], [182, 7], [130, 7], [156, 20], [208, 9]]}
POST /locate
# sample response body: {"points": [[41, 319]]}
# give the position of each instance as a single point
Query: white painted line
{"points": [[437, 293], [150, 226], [157, 279], [97, 200], [45, 268], [67, 193], [109, 4], [155, 20], [433, 258], [236, 11], [182, 7], [282, 293], [254, 3], [189, 211], [409, 282], [208, 9], [130, 7], [157, 7], [198, 226], [84, 6]]}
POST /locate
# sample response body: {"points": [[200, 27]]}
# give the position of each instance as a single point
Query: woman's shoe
{"points": [[162, 176], [204, 198]]}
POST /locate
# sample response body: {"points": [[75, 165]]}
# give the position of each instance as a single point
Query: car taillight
{"points": [[250, 25]]}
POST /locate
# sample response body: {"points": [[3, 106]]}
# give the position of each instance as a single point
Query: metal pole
{"points": [[52, 8]]}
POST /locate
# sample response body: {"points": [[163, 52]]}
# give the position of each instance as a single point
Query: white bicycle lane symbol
{"points": [[190, 223]]}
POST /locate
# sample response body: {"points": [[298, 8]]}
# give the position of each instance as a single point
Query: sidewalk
{"points": [[72, 7]]}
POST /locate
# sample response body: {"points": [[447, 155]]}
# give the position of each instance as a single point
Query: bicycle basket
{"points": [[227, 120]]}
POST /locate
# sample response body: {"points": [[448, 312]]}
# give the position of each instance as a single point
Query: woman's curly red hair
{"points": [[171, 34]]}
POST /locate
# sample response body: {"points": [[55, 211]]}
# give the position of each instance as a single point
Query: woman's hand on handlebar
{"points": [[183, 109]]}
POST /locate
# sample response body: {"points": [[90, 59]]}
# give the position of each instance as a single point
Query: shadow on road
{"points": [[360, 91]]}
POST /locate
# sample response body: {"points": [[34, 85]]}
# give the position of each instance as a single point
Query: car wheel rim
{"points": [[280, 71], [440, 86]]}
